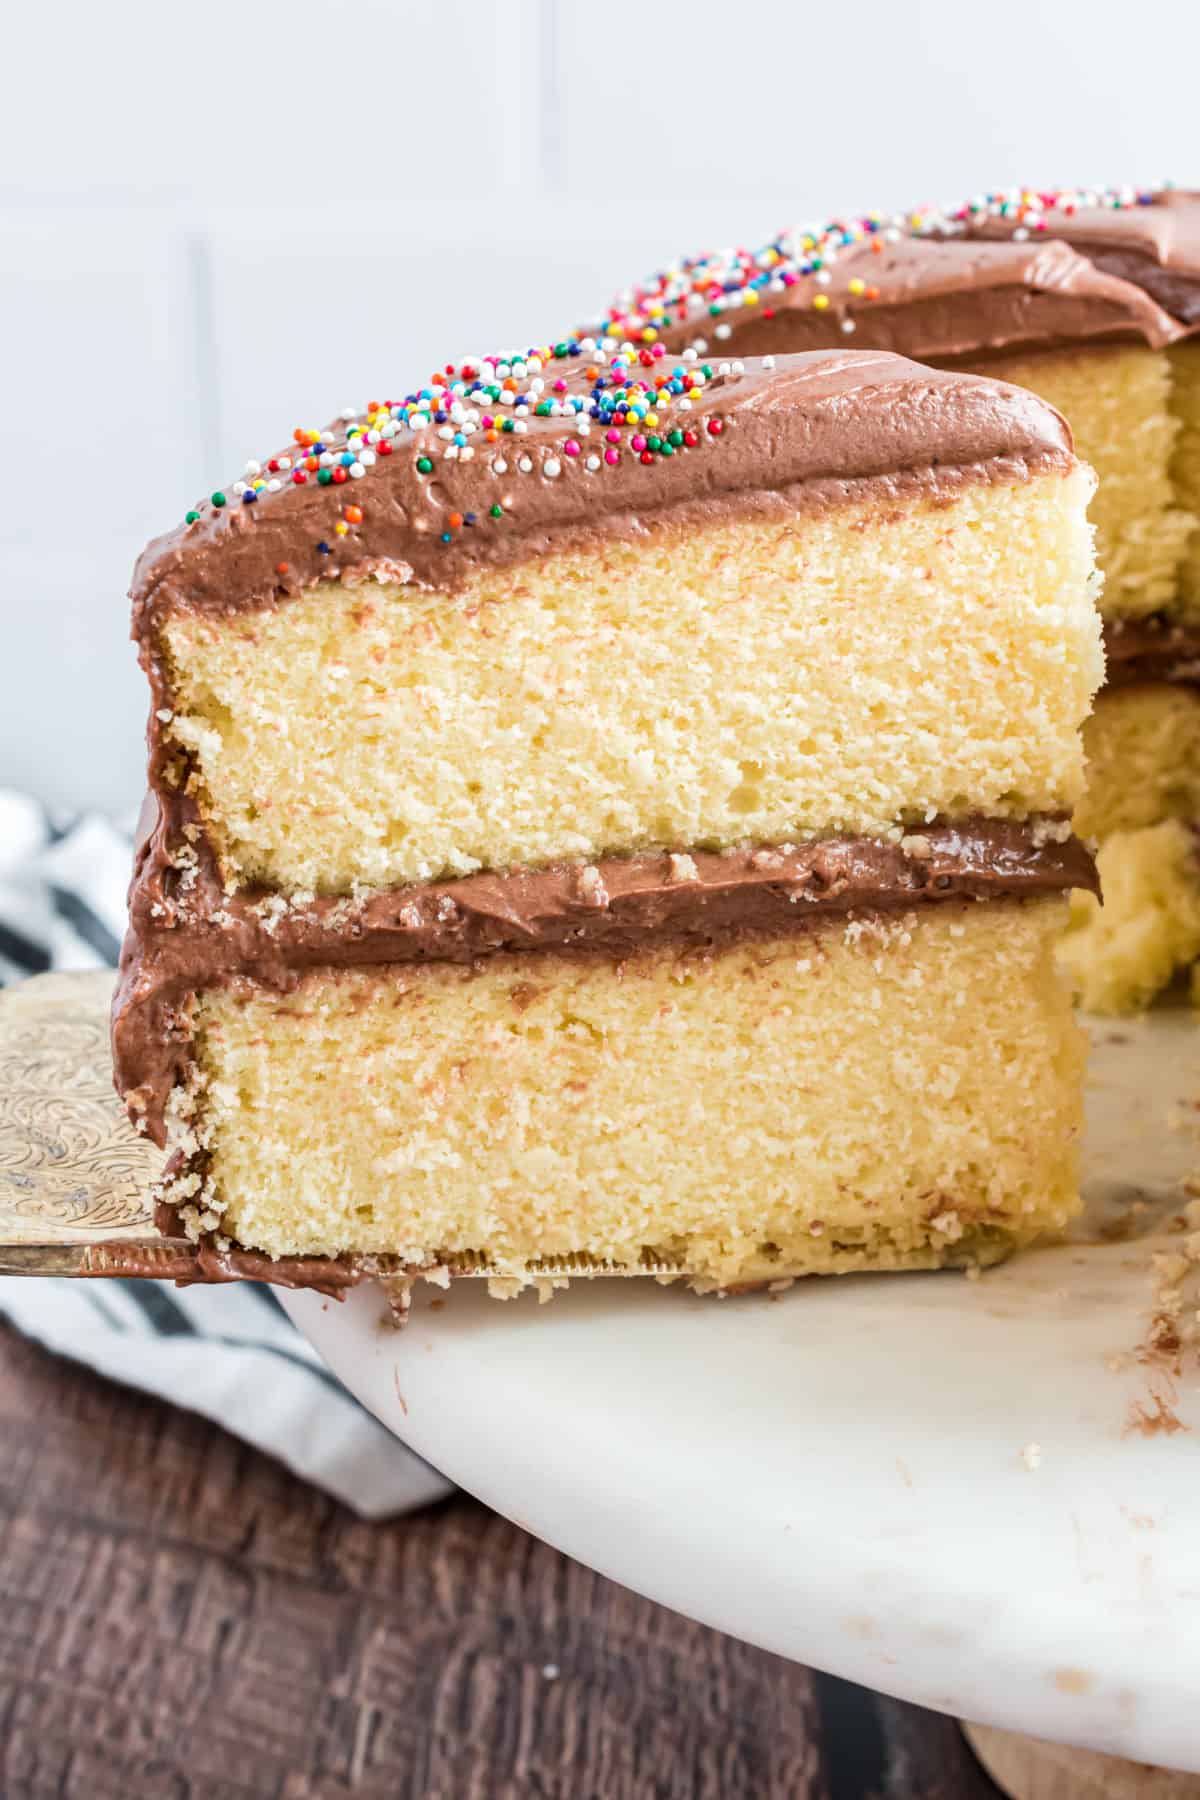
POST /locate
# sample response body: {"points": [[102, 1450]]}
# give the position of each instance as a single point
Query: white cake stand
{"points": [[983, 1496]]}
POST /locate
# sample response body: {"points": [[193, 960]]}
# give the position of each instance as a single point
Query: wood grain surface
{"points": [[180, 1618], [1031, 1770]]}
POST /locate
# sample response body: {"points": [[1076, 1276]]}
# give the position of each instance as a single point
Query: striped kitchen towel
{"points": [[62, 889], [230, 1353]]}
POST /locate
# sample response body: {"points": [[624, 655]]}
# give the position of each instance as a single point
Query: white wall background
{"points": [[218, 222]]}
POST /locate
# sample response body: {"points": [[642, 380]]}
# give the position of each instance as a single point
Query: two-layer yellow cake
{"points": [[1091, 299], [616, 804]]}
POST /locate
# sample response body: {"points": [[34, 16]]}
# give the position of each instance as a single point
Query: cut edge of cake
{"points": [[223, 977]]}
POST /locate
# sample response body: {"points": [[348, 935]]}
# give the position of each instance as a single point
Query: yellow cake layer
{"points": [[1119, 956], [1142, 801], [1185, 467], [876, 1093], [1143, 753], [761, 679], [1118, 403]]}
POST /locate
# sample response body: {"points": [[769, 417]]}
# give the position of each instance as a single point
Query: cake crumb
{"points": [[1153, 1419], [1031, 1456], [590, 887], [1170, 1266], [1051, 831], [683, 868]]}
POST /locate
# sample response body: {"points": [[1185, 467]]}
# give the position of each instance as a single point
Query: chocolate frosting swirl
{"points": [[1155, 248], [1153, 649]]}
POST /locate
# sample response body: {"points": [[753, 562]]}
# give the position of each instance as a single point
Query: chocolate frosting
{"points": [[1153, 649], [211, 1261], [812, 430], [946, 299], [978, 282], [186, 934], [1155, 247]]}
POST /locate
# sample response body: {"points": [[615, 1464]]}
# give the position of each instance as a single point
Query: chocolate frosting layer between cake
{"points": [[187, 934], [1153, 649]]}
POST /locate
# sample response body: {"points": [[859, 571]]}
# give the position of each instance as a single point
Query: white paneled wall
{"points": [[104, 433], [217, 223]]}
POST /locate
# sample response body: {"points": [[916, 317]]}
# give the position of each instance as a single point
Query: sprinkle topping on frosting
{"points": [[722, 281], [615, 400], [618, 394]]}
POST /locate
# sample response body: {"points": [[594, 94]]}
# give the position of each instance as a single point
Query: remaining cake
{"points": [[615, 806], [1091, 299]]}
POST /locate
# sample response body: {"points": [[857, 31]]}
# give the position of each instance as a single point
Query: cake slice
{"points": [[1087, 298], [615, 806], [1091, 299]]}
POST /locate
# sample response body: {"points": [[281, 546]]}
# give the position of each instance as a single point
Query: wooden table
{"points": [[180, 1618]]}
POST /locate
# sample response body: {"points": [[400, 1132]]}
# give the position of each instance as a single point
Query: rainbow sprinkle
{"points": [[613, 398]]}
